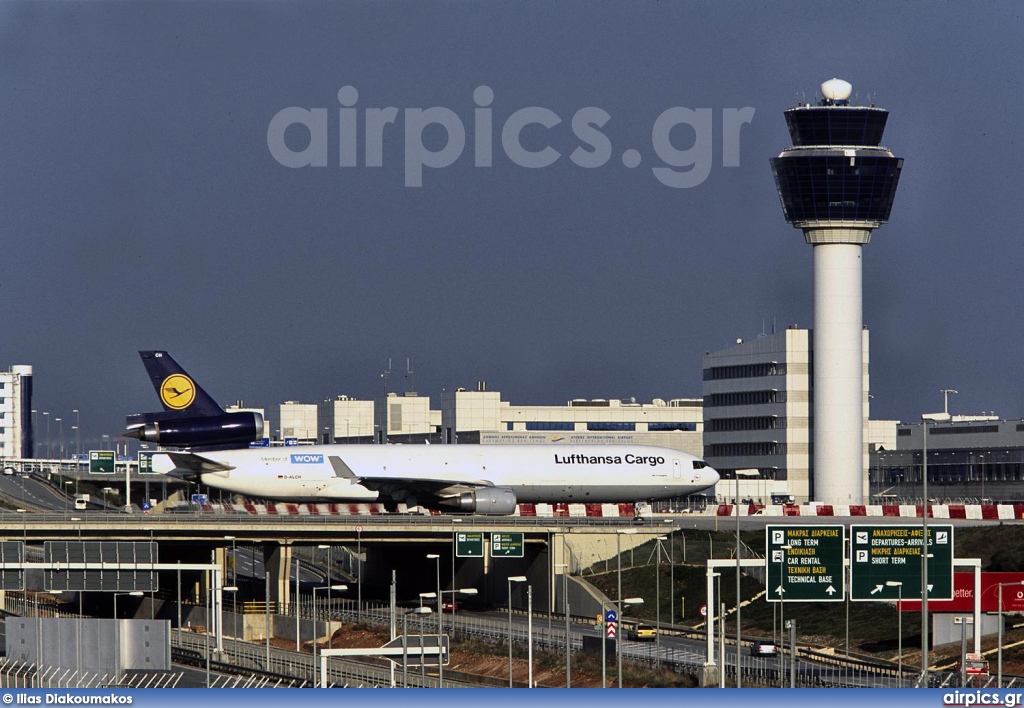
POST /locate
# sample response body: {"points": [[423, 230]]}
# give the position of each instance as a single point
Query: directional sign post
{"points": [[101, 462], [610, 624], [805, 563], [469, 545], [506, 545], [892, 554]]}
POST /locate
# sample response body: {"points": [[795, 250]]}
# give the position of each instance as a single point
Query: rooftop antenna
{"points": [[409, 375], [945, 399], [384, 377]]}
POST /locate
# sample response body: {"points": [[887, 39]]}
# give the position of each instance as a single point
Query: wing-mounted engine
{"points": [[225, 429], [495, 501]]}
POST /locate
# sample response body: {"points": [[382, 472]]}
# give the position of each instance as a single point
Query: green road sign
{"points": [[885, 562], [145, 462], [506, 545], [469, 545], [101, 462], [805, 563]]}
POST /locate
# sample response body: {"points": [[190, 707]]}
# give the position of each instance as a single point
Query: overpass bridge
{"points": [[371, 549]]}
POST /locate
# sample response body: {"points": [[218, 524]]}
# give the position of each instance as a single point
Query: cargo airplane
{"points": [[481, 479]]}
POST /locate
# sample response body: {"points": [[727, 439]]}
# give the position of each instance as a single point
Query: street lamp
{"points": [[781, 590], [568, 638], [511, 579], [60, 439], [133, 593], [405, 642], [899, 610], [618, 557], [739, 547], [619, 604], [330, 568], [999, 673], [436, 557], [78, 435], [925, 417], [657, 603], [234, 586], [46, 415], [328, 588]]}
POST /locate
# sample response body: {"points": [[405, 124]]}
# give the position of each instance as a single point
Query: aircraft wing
{"points": [[189, 466], [405, 488]]}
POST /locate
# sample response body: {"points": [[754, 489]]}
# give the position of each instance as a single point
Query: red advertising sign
{"points": [[963, 594]]}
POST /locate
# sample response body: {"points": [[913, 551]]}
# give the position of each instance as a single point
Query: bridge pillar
{"points": [[277, 560]]}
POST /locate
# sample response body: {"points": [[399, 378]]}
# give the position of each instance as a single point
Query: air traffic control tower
{"points": [[837, 184]]}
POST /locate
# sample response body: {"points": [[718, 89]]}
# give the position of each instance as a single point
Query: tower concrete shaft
{"points": [[837, 184]]}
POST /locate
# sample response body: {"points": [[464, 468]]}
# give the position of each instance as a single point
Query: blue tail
{"points": [[180, 395]]}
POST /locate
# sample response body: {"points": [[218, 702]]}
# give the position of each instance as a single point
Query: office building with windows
{"points": [[758, 414], [970, 458], [16, 434], [481, 416]]}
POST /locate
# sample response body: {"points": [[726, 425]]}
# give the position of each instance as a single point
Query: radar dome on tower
{"points": [[836, 90]]}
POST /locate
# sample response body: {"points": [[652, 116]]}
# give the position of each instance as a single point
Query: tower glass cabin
{"points": [[837, 183]]}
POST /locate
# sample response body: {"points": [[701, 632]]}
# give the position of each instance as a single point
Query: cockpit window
{"points": [[699, 464]]}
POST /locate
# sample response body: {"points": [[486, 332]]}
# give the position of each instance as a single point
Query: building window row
{"points": [[744, 371], [750, 448], [761, 422], [660, 427], [744, 398], [966, 430], [611, 426], [549, 425]]}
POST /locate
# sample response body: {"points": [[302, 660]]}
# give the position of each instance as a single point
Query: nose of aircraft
{"points": [[712, 476]]}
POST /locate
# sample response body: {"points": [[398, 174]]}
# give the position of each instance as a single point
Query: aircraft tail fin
{"points": [[180, 395]]}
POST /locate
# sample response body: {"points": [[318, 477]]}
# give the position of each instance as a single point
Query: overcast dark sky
{"points": [[140, 205]]}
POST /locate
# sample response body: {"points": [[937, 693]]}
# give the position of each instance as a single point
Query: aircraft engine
{"points": [[496, 501], [225, 429]]}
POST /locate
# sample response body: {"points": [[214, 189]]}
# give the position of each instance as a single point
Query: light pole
{"points": [[565, 607], [455, 606], [619, 604], [133, 593], [330, 576], [78, 435], [898, 584], [925, 417], [60, 438], [46, 415], [999, 672], [739, 550], [328, 588], [618, 558], [233, 586], [511, 579], [657, 603], [782, 602], [436, 557], [405, 642]]}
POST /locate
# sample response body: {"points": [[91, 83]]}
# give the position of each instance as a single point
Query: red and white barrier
{"points": [[994, 512], [531, 510]]}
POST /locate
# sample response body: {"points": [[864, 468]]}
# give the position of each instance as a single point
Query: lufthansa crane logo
{"points": [[177, 392]]}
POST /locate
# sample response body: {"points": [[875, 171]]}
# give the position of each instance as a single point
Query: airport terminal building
{"points": [[971, 458]]}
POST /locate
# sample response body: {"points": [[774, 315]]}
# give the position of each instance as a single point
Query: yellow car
{"points": [[643, 633]]}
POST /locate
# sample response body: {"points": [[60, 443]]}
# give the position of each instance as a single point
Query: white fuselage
{"points": [[536, 473]]}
